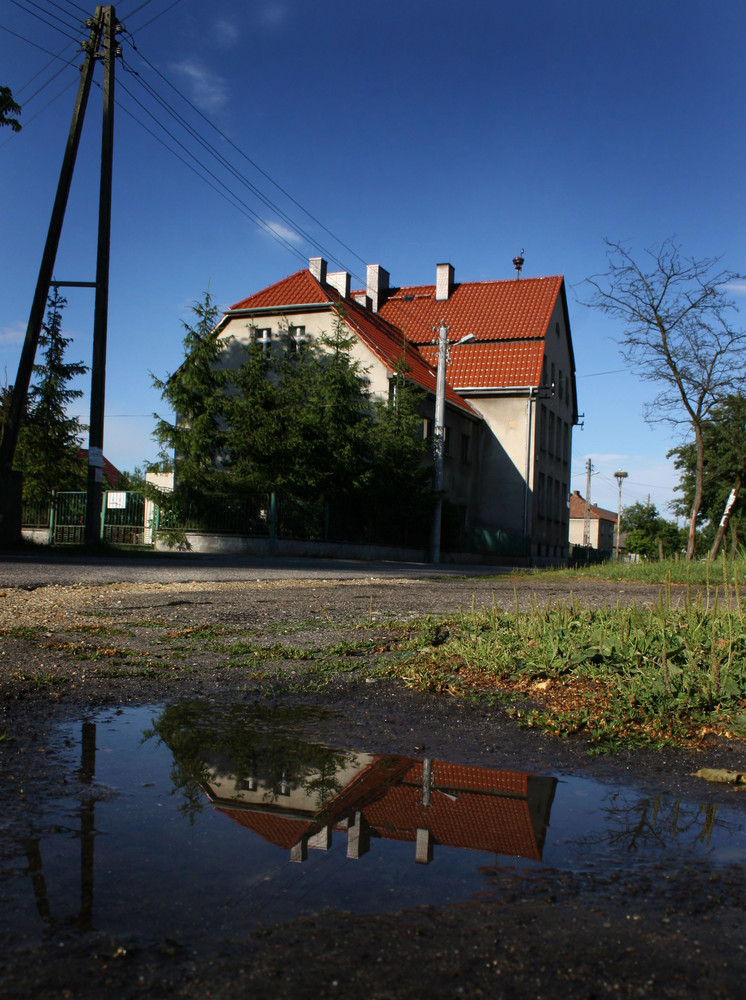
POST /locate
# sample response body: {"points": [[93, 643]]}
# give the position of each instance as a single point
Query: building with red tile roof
{"points": [[511, 399], [601, 524], [428, 803]]}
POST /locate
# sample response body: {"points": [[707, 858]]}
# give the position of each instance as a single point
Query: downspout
{"points": [[528, 459]]}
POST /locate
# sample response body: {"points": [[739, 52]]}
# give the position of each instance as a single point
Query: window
{"points": [[447, 441], [298, 336], [540, 504], [264, 338], [465, 447], [543, 428], [551, 433]]}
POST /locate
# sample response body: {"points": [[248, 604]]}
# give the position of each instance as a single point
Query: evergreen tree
{"points": [[48, 450], [194, 444], [9, 109]]}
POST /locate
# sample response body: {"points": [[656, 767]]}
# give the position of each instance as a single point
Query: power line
{"points": [[29, 42], [156, 16], [225, 163], [247, 158], [237, 203], [38, 17]]}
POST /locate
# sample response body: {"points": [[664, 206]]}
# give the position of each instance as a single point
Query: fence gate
{"points": [[122, 519]]}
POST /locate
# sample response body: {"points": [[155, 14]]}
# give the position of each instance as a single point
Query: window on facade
{"points": [[543, 427], [549, 497], [447, 441], [465, 447], [427, 428], [264, 338], [297, 336], [540, 499], [551, 433], [559, 383], [565, 442]]}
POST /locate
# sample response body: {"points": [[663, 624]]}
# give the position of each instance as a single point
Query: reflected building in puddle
{"points": [[424, 802]]}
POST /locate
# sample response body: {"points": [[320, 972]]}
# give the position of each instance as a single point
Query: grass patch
{"points": [[694, 573], [620, 676]]}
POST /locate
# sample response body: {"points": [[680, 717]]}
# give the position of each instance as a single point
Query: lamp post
{"points": [[438, 434], [619, 476]]}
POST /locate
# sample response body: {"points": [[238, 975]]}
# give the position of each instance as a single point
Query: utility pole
{"points": [[101, 308], [10, 503], [587, 522]]}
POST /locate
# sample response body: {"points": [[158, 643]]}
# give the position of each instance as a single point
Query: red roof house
{"points": [[510, 388]]}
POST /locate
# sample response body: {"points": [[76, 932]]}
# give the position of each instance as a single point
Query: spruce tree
{"points": [[193, 445], [48, 451]]}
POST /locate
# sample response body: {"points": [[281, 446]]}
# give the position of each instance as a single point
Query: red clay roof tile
{"points": [[490, 310]]}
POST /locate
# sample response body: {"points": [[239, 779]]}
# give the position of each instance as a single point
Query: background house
{"points": [[602, 524], [511, 397]]}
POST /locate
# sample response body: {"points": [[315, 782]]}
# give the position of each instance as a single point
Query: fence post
{"points": [[103, 516], [272, 521], [52, 516]]}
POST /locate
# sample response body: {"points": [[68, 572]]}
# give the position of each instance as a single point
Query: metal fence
{"points": [[130, 518]]}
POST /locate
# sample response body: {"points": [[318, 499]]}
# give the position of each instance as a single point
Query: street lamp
{"points": [[438, 433], [619, 476]]}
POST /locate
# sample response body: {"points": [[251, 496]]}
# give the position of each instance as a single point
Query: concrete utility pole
{"points": [[620, 477], [439, 434], [587, 522], [10, 485], [101, 308]]}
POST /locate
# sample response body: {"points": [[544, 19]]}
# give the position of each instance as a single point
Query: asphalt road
{"points": [[21, 569]]}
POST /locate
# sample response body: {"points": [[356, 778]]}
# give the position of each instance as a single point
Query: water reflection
{"points": [[197, 819], [295, 793]]}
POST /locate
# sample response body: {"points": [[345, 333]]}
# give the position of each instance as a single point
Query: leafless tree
{"points": [[677, 334]]}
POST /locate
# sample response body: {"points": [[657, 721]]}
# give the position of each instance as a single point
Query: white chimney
{"points": [[362, 299], [377, 281], [443, 281], [341, 281], [317, 267]]}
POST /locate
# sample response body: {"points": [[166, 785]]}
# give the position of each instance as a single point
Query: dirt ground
{"points": [[677, 933]]}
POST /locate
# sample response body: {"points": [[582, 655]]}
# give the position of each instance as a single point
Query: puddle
{"points": [[202, 822]]}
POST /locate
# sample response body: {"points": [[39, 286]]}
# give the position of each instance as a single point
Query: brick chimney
{"points": [[443, 281], [377, 281], [317, 267]]}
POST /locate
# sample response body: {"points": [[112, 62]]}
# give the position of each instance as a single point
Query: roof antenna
{"points": [[518, 263]]}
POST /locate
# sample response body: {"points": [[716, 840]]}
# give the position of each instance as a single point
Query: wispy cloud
{"points": [[12, 335], [737, 287], [225, 33], [273, 15], [282, 231], [209, 92]]}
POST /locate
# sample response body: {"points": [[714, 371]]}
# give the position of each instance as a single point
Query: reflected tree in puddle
{"points": [[657, 823]]}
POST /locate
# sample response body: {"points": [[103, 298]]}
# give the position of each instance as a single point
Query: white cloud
{"points": [[736, 287], [208, 90], [282, 231]]}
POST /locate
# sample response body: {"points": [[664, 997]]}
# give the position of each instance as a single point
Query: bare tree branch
{"points": [[676, 333]]}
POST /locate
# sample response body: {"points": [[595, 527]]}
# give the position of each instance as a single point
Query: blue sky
{"points": [[415, 132]]}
